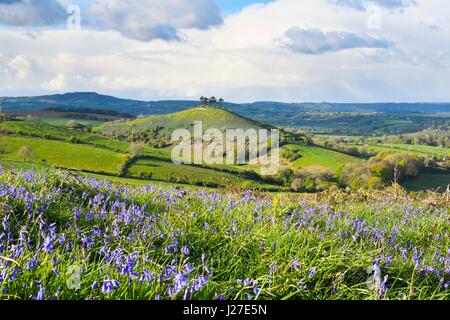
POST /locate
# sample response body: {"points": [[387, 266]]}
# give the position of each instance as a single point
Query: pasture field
{"points": [[153, 242], [421, 150], [62, 154], [165, 170], [98, 154], [53, 132], [58, 121], [162, 126], [317, 156]]}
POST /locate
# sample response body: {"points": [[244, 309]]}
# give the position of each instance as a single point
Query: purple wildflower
{"points": [[109, 285]]}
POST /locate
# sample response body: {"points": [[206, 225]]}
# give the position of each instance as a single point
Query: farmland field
{"points": [[164, 170], [62, 154], [63, 121], [317, 156], [423, 150]]}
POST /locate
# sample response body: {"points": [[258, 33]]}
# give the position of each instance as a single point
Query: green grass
{"points": [[63, 121], [165, 170], [133, 182], [211, 117], [47, 131], [317, 156], [62, 154], [435, 182], [421, 150], [152, 240], [102, 155]]}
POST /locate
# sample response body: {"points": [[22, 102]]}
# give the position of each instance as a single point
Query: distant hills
{"points": [[385, 118], [98, 101]]}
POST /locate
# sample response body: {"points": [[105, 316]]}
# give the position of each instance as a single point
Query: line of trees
{"points": [[436, 137]]}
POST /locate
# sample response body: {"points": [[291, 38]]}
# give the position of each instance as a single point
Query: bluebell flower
{"points": [[41, 293], [58, 292], [273, 268], [185, 250], [48, 244], [147, 276], [62, 238], [256, 290], [187, 294], [109, 285], [180, 282]]}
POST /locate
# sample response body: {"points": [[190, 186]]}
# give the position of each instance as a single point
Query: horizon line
{"points": [[226, 101]]}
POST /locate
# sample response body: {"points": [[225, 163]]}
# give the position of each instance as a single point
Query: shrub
{"points": [[136, 149], [73, 139], [25, 153]]}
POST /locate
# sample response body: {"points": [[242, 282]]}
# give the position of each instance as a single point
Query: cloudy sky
{"points": [[241, 50]]}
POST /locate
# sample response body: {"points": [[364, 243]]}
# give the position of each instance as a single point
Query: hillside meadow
{"points": [[417, 149], [317, 156], [153, 242], [62, 154]]}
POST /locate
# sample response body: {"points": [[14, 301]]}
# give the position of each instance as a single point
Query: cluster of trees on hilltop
{"points": [[211, 101]]}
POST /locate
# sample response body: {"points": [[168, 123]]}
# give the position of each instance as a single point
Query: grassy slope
{"points": [[62, 121], [210, 116], [317, 156], [162, 170], [94, 153], [421, 150], [62, 154], [54, 132]]}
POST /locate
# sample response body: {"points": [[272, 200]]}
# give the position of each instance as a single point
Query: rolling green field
{"points": [[164, 125], [104, 154], [421, 150], [93, 153], [163, 170], [63, 121], [39, 129], [317, 156], [62, 154]]}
